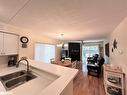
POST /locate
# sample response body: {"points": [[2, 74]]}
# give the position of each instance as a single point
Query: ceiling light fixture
{"points": [[62, 42]]}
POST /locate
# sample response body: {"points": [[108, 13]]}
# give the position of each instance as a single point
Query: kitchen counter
{"points": [[34, 87]]}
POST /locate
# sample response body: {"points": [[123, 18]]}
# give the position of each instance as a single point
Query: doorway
{"points": [[88, 51]]}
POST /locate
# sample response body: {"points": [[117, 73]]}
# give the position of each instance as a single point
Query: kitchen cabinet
{"points": [[8, 44]]}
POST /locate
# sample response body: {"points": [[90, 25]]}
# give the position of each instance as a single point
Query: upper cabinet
{"points": [[8, 44]]}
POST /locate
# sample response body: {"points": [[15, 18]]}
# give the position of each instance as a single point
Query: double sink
{"points": [[15, 79]]}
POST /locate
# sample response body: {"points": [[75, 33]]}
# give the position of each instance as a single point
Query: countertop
{"points": [[66, 75]]}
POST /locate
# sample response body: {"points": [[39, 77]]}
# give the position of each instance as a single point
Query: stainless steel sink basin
{"points": [[13, 80], [13, 75]]}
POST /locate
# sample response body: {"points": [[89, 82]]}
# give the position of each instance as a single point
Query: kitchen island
{"points": [[51, 80]]}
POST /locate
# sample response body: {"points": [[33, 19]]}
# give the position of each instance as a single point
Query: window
{"points": [[89, 51], [44, 52]]}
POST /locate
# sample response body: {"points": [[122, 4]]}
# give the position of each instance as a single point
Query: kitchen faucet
{"points": [[23, 59]]}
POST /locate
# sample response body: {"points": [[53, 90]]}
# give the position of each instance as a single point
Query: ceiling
{"points": [[76, 19]]}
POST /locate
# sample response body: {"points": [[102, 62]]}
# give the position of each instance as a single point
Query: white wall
{"points": [[119, 56], [3, 59], [33, 37]]}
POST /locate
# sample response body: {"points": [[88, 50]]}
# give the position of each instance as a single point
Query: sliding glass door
{"points": [[89, 51]]}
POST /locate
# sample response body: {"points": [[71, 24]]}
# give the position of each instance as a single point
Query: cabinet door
{"points": [[1, 43], [10, 44]]}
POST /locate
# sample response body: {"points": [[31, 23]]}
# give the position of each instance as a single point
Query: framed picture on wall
{"points": [[107, 49]]}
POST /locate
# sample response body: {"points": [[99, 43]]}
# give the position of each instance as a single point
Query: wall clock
{"points": [[24, 41]]}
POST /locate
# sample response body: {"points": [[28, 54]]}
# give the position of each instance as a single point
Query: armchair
{"points": [[96, 67]]}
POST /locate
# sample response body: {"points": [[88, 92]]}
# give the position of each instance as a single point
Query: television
{"points": [[107, 49]]}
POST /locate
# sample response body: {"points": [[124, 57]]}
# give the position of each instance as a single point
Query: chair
{"points": [[96, 67], [52, 61], [74, 64], [93, 59]]}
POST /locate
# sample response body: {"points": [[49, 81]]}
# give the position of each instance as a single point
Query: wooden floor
{"points": [[88, 85]]}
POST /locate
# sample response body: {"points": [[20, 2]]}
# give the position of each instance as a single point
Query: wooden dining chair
{"points": [[74, 64]]}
